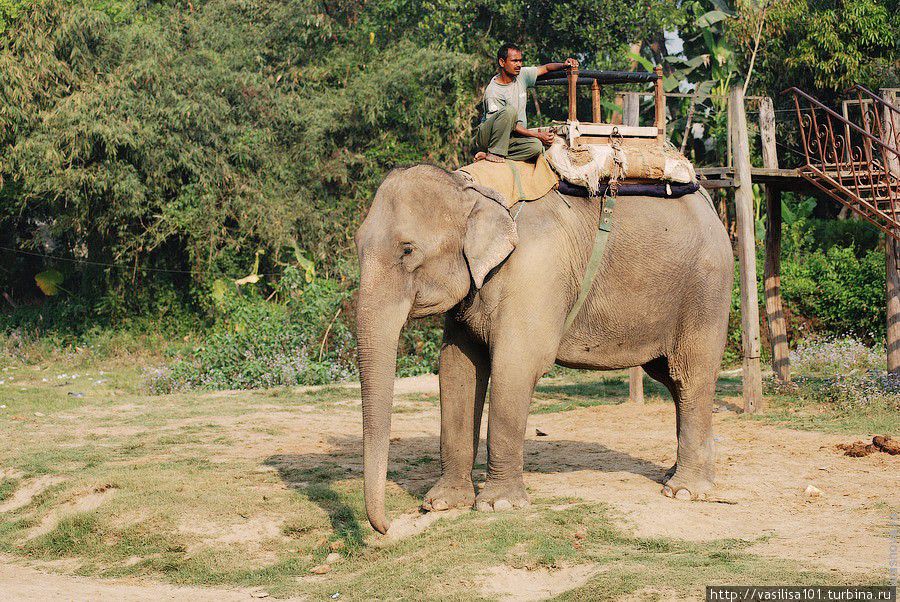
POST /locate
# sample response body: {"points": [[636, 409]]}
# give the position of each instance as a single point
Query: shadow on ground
{"points": [[414, 467]]}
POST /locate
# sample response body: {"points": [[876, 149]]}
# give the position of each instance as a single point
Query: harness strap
{"points": [[516, 178], [590, 272]]}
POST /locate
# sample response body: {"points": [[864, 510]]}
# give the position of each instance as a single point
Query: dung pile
{"points": [[882, 443]]}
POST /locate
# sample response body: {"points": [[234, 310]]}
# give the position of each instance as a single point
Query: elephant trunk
{"points": [[378, 333]]}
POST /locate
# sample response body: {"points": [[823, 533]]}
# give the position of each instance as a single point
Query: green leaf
{"points": [[305, 263], [253, 276], [711, 18], [219, 289], [49, 282], [670, 83], [645, 63], [787, 214]]}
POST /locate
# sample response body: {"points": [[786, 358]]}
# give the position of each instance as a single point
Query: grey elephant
{"points": [[434, 243]]}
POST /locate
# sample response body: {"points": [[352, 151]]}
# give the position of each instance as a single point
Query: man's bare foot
{"points": [[480, 155], [494, 158]]}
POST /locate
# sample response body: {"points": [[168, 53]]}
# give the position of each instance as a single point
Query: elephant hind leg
{"points": [[692, 384], [658, 370]]}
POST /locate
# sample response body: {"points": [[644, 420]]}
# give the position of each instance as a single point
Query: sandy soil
{"points": [[19, 582], [614, 454]]}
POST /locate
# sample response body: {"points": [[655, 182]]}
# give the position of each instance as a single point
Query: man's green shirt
{"points": [[513, 94]]}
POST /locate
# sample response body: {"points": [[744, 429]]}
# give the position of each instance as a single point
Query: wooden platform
{"points": [[723, 177]]}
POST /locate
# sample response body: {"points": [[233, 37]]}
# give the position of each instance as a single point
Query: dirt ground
{"points": [[616, 454]]}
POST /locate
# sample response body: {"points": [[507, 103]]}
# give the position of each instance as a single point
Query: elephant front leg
{"points": [[464, 371], [512, 386]]}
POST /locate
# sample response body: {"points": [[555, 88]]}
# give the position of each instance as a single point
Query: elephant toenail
{"points": [[484, 506], [503, 505], [667, 491], [683, 494]]}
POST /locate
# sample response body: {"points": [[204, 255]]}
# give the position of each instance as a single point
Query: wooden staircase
{"points": [[854, 158]]}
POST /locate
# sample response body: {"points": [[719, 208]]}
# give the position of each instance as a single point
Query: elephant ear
{"points": [[490, 232]]}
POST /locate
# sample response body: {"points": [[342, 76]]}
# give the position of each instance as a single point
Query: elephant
{"points": [[434, 243]]}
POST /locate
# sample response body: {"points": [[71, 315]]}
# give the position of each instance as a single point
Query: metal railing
{"points": [[857, 164]]}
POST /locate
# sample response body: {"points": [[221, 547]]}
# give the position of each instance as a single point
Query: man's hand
{"points": [[569, 63], [546, 138]]}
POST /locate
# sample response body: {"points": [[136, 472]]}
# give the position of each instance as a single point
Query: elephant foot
{"points": [[681, 488], [670, 473], [502, 495], [449, 493]]}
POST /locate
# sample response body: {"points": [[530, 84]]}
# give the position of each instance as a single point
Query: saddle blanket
{"points": [[514, 180]]}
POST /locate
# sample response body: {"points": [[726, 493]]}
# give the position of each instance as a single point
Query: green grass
{"points": [[794, 411], [7, 487]]}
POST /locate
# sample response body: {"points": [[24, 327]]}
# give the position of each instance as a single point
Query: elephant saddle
{"points": [[628, 162], [514, 180]]}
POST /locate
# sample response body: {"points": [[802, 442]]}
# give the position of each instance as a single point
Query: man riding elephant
{"points": [[503, 132]]}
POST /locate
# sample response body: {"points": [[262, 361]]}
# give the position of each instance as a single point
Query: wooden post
{"points": [[616, 117], [572, 77], [892, 256], [596, 114], [636, 384], [774, 308], [636, 374], [743, 202], [892, 253], [729, 143], [660, 98], [631, 108]]}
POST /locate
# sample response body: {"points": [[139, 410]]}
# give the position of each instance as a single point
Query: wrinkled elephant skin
{"points": [[431, 243]]}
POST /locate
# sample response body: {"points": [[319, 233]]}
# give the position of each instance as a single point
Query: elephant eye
{"points": [[407, 248]]}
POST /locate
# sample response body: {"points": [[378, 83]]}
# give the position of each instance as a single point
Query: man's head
{"points": [[509, 58]]}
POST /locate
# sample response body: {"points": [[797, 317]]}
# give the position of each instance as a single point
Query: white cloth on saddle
{"points": [[590, 164]]}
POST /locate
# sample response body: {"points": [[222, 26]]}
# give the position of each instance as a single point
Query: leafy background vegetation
{"points": [[186, 176]]}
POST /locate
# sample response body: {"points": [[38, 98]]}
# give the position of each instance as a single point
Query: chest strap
{"points": [[590, 272]]}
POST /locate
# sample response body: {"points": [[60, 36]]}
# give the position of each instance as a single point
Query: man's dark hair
{"points": [[504, 51]]}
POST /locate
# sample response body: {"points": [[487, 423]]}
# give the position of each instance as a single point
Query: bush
{"points": [[256, 343], [843, 373], [854, 392], [837, 292], [420, 347], [830, 356]]}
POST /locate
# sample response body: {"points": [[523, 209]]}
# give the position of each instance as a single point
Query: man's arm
{"points": [[545, 137], [569, 62]]}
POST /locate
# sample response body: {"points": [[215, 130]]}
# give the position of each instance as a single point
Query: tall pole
{"points": [[660, 98], [774, 308], [743, 201], [631, 117], [596, 115], [892, 250], [572, 77]]}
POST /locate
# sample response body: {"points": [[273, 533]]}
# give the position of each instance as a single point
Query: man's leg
{"points": [[493, 135], [524, 149]]}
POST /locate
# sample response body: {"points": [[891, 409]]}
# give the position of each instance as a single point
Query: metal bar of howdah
{"points": [[606, 77], [562, 81]]}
